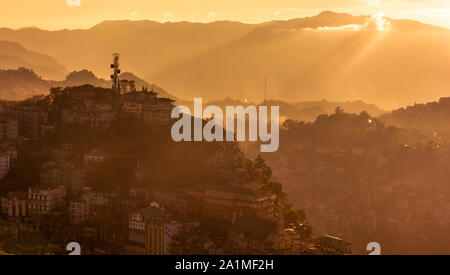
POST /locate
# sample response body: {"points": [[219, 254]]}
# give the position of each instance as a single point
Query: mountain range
{"points": [[332, 56], [13, 56], [24, 83]]}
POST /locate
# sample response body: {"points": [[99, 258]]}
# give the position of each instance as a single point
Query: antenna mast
{"points": [[116, 73]]}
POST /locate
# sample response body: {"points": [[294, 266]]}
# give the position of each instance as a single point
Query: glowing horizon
{"points": [[66, 14]]}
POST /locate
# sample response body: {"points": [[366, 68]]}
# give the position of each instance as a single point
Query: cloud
{"points": [[376, 22], [340, 28], [73, 3]]}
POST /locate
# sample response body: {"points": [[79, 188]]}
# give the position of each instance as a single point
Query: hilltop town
{"points": [[96, 166]]}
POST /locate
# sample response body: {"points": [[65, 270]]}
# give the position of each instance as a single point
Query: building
{"points": [[57, 173], [147, 107], [14, 204], [70, 116], [155, 234], [102, 119], [216, 205], [133, 103], [78, 211], [44, 198], [132, 108], [152, 233], [95, 156], [88, 112], [146, 231], [159, 113], [31, 119]]}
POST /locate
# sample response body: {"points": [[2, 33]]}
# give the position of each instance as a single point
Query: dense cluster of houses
{"points": [[202, 219]]}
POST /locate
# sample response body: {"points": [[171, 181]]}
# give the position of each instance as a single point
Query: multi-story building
{"points": [[132, 108], [151, 233], [31, 118], [45, 198], [5, 164], [14, 204], [102, 119], [57, 173], [71, 116], [133, 102], [92, 206], [159, 113], [146, 231], [78, 211], [216, 205], [155, 234], [147, 107]]}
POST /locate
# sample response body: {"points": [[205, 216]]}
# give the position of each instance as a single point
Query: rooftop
{"points": [[236, 189], [17, 195]]}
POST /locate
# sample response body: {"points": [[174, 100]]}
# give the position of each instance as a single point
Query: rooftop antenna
{"points": [[116, 73]]}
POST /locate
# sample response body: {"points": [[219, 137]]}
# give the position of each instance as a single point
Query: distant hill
{"points": [[21, 84], [320, 58], [307, 111], [431, 118], [332, 56], [24, 83], [146, 47], [14, 56]]}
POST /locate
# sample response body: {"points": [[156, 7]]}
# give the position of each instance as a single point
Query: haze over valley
{"points": [[332, 56]]}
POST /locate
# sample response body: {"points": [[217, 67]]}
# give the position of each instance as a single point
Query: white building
{"points": [[43, 198]]}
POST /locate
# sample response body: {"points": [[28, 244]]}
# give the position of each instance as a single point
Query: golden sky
{"points": [[59, 14]]}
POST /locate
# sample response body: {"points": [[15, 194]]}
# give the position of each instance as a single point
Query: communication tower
{"points": [[116, 73]]}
